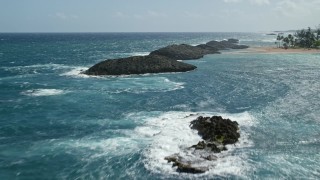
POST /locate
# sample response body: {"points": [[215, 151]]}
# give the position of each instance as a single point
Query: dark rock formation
{"points": [[139, 65], [208, 146], [216, 132], [162, 60], [184, 165], [216, 129], [184, 52], [229, 44], [187, 52], [208, 49], [233, 40]]}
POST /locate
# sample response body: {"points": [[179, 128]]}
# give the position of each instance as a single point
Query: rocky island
{"points": [[139, 65], [162, 60]]}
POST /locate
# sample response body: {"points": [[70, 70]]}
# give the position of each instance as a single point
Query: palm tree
{"points": [[300, 40], [318, 34], [310, 38], [279, 38], [291, 40], [278, 41], [305, 38]]}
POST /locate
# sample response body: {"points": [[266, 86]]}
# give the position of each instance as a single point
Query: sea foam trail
{"points": [[136, 84], [170, 133], [43, 92], [139, 53], [35, 67], [76, 72]]}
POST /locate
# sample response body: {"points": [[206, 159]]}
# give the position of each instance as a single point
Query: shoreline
{"points": [[273, 50]]}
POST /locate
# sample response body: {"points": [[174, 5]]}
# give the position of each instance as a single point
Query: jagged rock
{"points": [[214, 148], [172, 158], [188, 168], [209, 146], [216, 129], [200, 145], [185, 166], [211, 158], [139, 65]]}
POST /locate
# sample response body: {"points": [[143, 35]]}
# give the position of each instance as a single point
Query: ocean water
{"points": [[58, 124]]}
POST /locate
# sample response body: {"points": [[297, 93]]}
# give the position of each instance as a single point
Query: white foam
{"points": [[76, 72], [36, 68], [49, 65], [139, 53], [131, 54], [114, 146], [170, 133], [43, 92], [269, 40], [142, 84]]}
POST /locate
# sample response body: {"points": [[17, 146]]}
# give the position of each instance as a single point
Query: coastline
{"points": [[272, 50]]}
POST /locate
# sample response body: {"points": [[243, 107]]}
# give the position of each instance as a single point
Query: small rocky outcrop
{"points": [[216, 132], [139, 65], [216, 129]]}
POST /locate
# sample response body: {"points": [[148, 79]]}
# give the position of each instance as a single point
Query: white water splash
{"points": [[170, 133], [76, 72], [44, 92]]}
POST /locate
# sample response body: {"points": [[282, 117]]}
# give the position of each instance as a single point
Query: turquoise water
{"points": [[56, 123]]}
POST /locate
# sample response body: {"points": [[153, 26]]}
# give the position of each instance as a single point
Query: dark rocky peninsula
{"points": [[216, 133], [162, 60]]}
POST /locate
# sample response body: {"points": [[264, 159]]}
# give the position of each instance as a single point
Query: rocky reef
{"points": [[216, 133], [162, 60]]}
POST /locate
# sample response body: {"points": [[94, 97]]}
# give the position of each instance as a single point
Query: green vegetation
{"points": [[305, 38], [219, 138]]}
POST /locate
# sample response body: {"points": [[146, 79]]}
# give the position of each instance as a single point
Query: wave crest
{"points": [[43, 92]]}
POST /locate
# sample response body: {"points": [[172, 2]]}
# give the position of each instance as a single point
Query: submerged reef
{"points": [[162, 60], [216, 133]]}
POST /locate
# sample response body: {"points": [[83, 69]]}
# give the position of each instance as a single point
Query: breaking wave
{"points": [[44, 92]]}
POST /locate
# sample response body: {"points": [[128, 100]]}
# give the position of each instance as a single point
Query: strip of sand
{"points": [[273, 50]]}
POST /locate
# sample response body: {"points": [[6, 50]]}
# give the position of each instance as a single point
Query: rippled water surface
{"points": [[55, 122]]}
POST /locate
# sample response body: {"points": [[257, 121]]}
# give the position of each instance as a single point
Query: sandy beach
{"points": [[272, 50]]}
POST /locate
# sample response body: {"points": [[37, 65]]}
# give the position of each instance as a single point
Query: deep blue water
{"points": [[58, 124]]}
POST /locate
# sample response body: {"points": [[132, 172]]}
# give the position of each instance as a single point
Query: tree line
{"points": [[304, 38]]}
